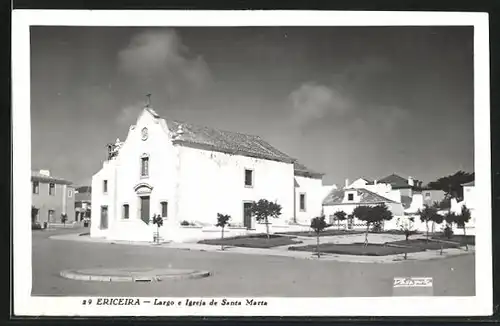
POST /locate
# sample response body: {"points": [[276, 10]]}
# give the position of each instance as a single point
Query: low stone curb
{"points": [[86, 275], [392, 259]]}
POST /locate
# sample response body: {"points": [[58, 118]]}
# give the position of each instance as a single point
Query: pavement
{"points": [[232, 275], [284, 252]]}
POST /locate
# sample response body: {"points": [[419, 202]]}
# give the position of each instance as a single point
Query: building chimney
{"points": [[375, 182], [410, 181], [346, 183], [45, 172]]}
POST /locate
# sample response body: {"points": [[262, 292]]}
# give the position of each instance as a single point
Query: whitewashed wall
{"points": [[470, 196], [314, 195], [99, 198], [213, 182]]}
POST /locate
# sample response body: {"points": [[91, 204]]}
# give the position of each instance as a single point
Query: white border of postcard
{"points": [[25, 304]]}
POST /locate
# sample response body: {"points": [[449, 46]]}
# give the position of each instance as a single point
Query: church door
{"points": [[247, 215], [145, 209]]}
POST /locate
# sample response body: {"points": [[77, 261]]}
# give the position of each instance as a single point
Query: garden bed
{"points": [[459, 238], [422, 244], [357, 249], [253, 241], [325, 233]]}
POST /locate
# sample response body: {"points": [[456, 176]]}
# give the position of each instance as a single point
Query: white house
{"points": [[348, 199], [188, 174]]}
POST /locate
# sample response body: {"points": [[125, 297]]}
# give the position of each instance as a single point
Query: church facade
{"points": [[187, 174]]}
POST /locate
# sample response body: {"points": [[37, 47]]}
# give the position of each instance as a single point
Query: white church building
{"points": [[187, 174]]}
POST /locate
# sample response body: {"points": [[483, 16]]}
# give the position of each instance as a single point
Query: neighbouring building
{"points": [[348, 199], [470, 201], [470, 195], [431, 196], [51, 197], [83, 199], [187, 174]]}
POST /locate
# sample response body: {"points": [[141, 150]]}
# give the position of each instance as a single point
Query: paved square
{"points": [[233, 274]]}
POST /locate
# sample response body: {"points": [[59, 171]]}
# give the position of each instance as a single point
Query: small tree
{"points": [[263, 209], [362, 213], [450, 218], [461, 219], [318, 224], [369, 215], [64, 218], [158, 220], [222, 221], [428, 214], [407, 227], [340, 216]]}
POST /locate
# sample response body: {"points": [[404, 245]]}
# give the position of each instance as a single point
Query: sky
{"points": [[346, 101]]}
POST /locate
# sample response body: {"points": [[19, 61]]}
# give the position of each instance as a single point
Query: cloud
{"points": [[312, 101], [154, 57], [381, 120]]}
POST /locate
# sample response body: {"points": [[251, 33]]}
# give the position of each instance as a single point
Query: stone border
{"points": [[86, 275], [389, 259]]}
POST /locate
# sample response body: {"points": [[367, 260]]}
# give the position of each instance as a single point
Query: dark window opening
{"points": [[144, 166], [302, 202], [164, 209], [105, 186], [52, 189], [248, 178], [36, 187], [350, 197], [126, 211]]}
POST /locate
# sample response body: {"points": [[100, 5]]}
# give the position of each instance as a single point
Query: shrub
{"points": [[448, 232], [185, 223], [377, 227], [36, 226]]}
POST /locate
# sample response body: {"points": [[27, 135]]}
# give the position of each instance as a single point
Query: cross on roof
{"points": [[148, 102]]}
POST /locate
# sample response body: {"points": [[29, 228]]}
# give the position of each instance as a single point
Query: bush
{"points": [[448, 232], [377, 227], [36, 226], [185, 223]]}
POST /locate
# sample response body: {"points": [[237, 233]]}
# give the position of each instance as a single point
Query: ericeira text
{"points": [[115, 302]]}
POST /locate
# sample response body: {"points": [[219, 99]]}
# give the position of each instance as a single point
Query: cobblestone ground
{"points": [[233, 274]]}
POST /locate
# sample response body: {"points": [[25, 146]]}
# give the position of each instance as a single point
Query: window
{"points": [[164, 209], [36, 187], [126, 211], [248, 178], [144, 166], [302, 202], [105, 186], [350, 197], [70, 193], [52, 189], [332, 219]]}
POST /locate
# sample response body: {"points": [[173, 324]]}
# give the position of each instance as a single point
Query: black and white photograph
{"points": [[251, 163]]}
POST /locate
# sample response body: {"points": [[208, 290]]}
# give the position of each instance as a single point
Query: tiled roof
{"points": [[37, 176], [336, 197], [232, 143], [227, 141], [469, 184], [83, 189], [396, 181], [83, 196], [302, 170]]}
